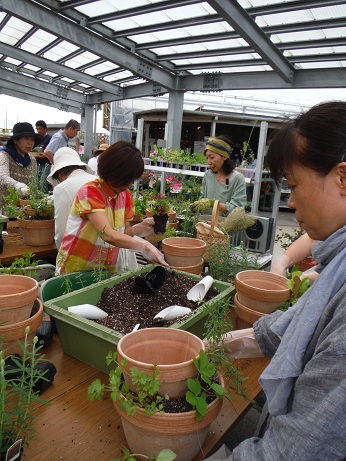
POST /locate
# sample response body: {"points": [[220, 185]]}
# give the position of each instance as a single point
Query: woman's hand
{"points": [[144, 228]]}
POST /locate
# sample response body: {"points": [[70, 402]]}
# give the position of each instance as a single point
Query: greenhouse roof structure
{"points": [[68, 53]]}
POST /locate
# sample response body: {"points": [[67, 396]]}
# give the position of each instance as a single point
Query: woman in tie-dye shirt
{"points": [[98, 224]]}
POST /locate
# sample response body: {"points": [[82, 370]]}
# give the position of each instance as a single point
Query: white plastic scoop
{"points": [[171, 313]]}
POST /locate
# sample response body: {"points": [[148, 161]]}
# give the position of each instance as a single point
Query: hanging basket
{"points": [[215, 239]]}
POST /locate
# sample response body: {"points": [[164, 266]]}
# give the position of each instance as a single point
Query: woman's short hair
{"points": [[120, 164], [316, 139]]}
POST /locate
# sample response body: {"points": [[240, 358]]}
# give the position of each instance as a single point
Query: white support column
{"points": [[174, 119], [87, 125]]}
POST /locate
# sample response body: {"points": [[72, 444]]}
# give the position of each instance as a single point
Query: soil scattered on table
{"points": [[125, 309]]}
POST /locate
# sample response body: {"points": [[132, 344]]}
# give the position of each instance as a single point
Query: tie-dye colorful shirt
{"points": [[82, 248]]}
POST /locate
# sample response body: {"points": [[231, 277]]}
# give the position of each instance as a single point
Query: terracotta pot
{"points": [[180, 432], [37, 232], [260, 290], [245, 317], [174, 224], [196, 269], [172, 216], [17, 296], [183, 251], [12, 333], [171, 350]]}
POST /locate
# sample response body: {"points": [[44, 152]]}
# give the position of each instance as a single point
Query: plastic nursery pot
{"points": [[180, 432], [260, 290], [17, 296], [154, 280], [12, 333], [171, 350], [246, 317], [160, 223], [183, 251]]}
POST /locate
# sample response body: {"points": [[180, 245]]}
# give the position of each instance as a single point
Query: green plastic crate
{"points": [[90, 342]]}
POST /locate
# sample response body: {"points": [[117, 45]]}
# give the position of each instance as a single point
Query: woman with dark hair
{"points": [[305, 382], [17, 166], [221, 182], [98, 223]]}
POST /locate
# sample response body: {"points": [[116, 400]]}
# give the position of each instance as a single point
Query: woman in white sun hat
{"points": [[67, 175]]}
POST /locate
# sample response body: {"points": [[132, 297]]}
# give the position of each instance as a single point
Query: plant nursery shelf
{"points": [[73, 428]]}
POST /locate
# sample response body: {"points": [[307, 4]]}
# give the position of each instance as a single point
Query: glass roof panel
{"points": [[37, 41], [81, 60], [13, 31]]}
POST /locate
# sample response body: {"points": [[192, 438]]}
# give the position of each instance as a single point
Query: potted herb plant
{"points": [[19, 398], [158, 207], [152, 421]]}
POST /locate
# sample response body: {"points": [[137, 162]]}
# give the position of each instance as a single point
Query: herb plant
{"points": [[18, 398], [164, 455]]}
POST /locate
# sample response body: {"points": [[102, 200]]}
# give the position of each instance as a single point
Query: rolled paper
{"points": [[88, 311], [198, 291], [172, 312]]}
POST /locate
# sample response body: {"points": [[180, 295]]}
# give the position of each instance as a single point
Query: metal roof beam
{"points": [[242, 23], [47, 20], [130, 92], [322, 43], [58, 91], [38, 98], [311, 78], [59, 69], [280, 29]]}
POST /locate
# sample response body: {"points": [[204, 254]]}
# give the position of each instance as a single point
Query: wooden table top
{"points": [[72, 428], [14, 246]]}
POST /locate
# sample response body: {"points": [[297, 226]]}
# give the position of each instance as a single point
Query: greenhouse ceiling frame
{"points": [[292, 44]]}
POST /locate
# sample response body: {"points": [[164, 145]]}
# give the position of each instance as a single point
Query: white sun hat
{"points": [[65, 156]]}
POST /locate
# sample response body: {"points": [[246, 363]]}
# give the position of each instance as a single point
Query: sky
{"points": [[13, 110]]}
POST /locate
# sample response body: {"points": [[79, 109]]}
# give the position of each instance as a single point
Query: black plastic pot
{"points": [[153, 281]]}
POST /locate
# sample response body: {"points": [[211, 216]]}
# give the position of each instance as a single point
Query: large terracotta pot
{"points": [[180, 432], [12, 333], [17, 296], [261, 291], [245, 317], [183, 251], [171, 350], [37, 232]]}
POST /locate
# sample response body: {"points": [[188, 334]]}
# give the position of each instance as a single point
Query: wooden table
{"points": [[14, 246], [72, 428]]}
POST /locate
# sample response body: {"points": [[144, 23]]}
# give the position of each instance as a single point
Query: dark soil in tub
{"points": [[126, 309]]}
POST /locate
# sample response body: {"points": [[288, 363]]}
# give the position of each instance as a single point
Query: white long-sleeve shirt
{"points": [[64, 195]]}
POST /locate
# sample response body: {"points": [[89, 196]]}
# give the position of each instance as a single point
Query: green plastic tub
{"points": [[90, 342]]}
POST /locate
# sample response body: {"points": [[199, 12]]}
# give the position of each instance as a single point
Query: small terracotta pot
{"points": [[37, 232], [183, 251], [172, 216], [171, 350], [17, 296], [245, 317], [262, 291], [180, 432], [12, 333]]}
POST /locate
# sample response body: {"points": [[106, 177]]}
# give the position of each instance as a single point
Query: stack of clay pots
{"points": [[258, 293], [184, 253], [19, 308]]}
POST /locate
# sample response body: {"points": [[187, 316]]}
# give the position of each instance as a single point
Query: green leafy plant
{"points": [[18, 398], [297, 286], [158, 204], [164, 455], [20, 265], [12, 208]]}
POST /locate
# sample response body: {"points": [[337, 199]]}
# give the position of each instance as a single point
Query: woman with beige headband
{"points": [[221, 182]]}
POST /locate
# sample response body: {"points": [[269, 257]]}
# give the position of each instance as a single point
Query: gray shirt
{"points": [[314, 427]]}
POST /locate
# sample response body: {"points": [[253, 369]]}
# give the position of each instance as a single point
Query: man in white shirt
{"points": [[68, 174]]}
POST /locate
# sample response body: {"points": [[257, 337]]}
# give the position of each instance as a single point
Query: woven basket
{"points": [[214, 238]]}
